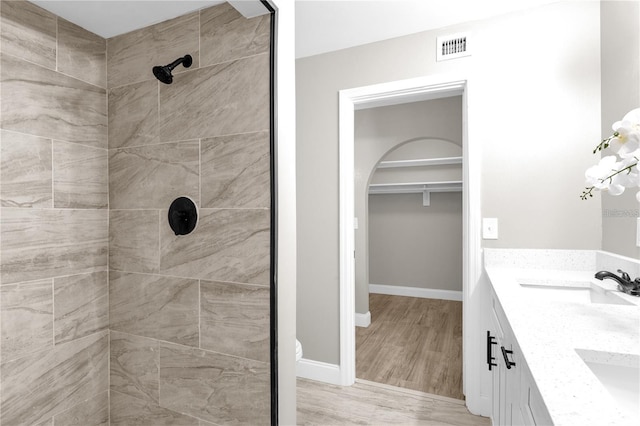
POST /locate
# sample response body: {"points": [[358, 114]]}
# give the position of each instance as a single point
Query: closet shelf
{"points": [[419, 162], [424, 188]]}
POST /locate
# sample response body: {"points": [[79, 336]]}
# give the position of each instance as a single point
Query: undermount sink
{"points": [[620, 375], [572, 291]]}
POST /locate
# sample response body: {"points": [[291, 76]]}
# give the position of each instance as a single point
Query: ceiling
{"points": [[109, 18], [321, 25]]}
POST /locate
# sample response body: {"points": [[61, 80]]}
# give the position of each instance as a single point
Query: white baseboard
{"points": [[426, 293], [318, 371], [363, 320]]}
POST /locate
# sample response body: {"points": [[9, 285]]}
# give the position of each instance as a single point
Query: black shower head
{"points": [[163, 73]]}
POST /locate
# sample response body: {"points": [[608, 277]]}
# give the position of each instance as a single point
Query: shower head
{"points": [[163, 73]]}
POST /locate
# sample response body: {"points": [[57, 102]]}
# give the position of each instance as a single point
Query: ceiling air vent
{"points": [[452, 46]]}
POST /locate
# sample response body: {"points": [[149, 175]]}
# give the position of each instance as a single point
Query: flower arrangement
{"points": [[615, 173]]}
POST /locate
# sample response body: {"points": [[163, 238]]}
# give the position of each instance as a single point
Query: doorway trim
{"points": [[393, 93]]}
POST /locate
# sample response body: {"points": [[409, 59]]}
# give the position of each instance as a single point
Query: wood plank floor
{"points": [[412, 343], [367, 403]]}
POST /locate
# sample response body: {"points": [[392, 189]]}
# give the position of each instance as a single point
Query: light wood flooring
{"points": [[367, 403], [412, 343]]}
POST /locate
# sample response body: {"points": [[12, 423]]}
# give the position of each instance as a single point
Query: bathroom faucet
{"points": [[625, 284]]}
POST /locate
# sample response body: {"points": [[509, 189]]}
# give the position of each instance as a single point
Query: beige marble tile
{"points": [[26, 318], [133, 115], [151, 177], [227, 245], [235, 171], [82, 54], [39, 244], [135, 362], [41, 385], [45, 103], [227, 35], [234, 319], [134, 241], [128, 411], [131, 56], [155, 306], [92, 412], [81, 305], [219, 100], [28, 32], [81, 176], [25, 171], [214, 387]]}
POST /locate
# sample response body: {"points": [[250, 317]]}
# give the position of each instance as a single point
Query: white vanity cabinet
{"points": [[516, 400]]}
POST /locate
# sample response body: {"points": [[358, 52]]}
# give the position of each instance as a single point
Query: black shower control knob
{"points": [[183, 216]]}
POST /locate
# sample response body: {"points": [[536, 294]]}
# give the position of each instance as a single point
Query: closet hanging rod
{"points": [[420, 162], [415, 187]]}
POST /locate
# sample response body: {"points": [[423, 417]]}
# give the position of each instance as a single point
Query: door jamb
{"points": [[392, 93]]}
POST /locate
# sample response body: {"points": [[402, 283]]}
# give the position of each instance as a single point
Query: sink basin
{"points": [[572, 291], [620, 375]]}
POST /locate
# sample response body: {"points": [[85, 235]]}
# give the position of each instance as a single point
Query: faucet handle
{"points": [[625, 276]]}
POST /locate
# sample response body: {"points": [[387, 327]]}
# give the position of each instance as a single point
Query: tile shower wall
{"points": [[54, 345], [189, 315]]}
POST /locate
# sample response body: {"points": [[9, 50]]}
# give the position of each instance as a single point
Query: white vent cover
{"points": [[452, 46]]}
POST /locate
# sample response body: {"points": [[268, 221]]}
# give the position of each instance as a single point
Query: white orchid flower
{"points": [[597, 175], [614, 173], [626, 140]]}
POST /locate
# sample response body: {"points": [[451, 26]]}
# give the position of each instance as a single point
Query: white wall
{"points": [[415, 246], [378, 131], [620, 44], [534, 99]]}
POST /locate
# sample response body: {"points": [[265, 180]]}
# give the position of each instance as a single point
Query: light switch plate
{"points": [[490, 228]]}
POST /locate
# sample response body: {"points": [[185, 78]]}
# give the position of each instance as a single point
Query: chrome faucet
{"points": [[625, 284]]}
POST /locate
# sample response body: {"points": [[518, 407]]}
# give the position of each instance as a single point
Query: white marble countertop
{"points": [[549, 332]]}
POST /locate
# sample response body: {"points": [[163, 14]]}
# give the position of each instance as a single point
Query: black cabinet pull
{"points": [[490, 342], [506, 352]]}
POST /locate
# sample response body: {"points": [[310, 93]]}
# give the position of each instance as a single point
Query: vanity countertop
{"points": [[549, 332]]}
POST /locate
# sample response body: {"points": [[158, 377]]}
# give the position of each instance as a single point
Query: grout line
{"points": [[184, 140], [187, 347], [159, 254], [164, 275], [188, 70], [200, 314], [53, 312], [57, 41], [30, 282], [55, 70], [53, 176], [54, 139]]}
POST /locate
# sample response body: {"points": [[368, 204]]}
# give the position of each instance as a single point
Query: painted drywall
{"points": [[415, 246], [620, 46], [391, 130], [533, 102]]}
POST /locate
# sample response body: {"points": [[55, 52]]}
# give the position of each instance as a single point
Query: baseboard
{"points": [[318, 371], [426, 293], [363, 320]]}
